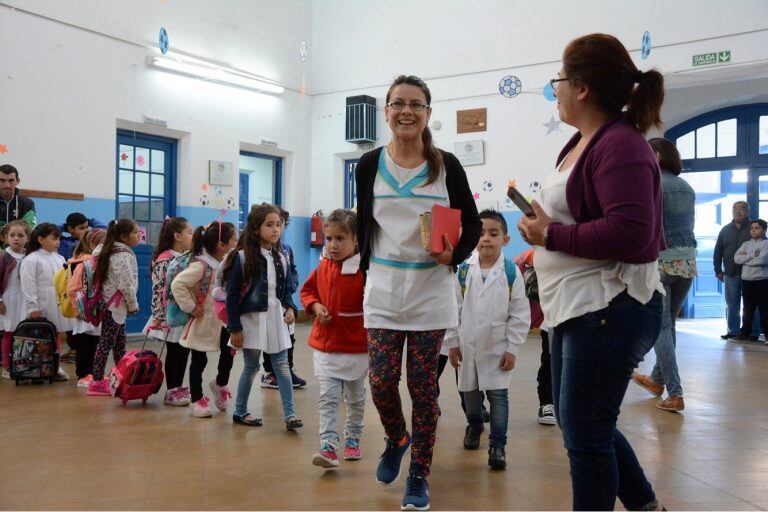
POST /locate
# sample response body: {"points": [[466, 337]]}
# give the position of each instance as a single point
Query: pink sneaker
{"points": [[352, 449], [200, 409], [186, 394], [221, 395], [175, 397], [326, 457], [99, 388], [85, 381]]}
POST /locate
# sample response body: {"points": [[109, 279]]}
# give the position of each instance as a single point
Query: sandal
{"points": [[293, 423], [245, 420]]}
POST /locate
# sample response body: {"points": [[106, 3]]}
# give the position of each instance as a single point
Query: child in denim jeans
{"points": [[333, 294], [494, 316]]}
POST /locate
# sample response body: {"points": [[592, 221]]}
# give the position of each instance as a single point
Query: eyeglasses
{"points": [[553, 81], [415, 106]]}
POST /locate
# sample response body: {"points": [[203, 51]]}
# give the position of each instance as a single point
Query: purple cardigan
{"points": [[614, 194]]}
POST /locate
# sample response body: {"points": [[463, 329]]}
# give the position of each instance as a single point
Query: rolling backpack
{"points": [[174, 315], [138, 375], [33, 351]]}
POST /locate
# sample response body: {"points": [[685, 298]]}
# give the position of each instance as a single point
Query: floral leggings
{"points": [[385, 350], [112, 338]]}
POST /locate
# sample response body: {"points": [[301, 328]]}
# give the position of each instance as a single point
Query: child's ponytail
{"points": [[171, 226], [208, 237], [116, 230]]}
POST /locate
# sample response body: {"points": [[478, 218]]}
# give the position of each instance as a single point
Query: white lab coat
{"points": [[493, 319], [37, 270]]}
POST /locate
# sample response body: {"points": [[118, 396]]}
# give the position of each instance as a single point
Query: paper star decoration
{"points": [[3, 149], [552, 125], [139, 160], [476, 195], [223, 212], [204, 186], [123, 157]]}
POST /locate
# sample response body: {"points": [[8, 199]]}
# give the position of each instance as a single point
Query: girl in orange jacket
{"points": [[333, 295]]}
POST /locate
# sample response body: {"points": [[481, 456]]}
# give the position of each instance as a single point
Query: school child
{"points": [[204, 332], [175, 238], [85, 337], [333, 295], [16, 235], [72, 231], [117, 273], [259, 307], [753, 255], [494, 316], [36, 272], [268, 379]]}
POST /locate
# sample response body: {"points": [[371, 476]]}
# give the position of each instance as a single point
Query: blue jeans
{"points": [[499, 401], [732, 285], [251, 368], [665, 370], [593, 357]]}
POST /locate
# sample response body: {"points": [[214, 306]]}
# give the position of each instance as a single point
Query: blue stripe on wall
{"points": [[56, 210]]}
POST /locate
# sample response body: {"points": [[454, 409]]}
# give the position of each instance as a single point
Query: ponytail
{"points": [[197, 240], [208, 237], [171, 226], [115, 231], [644, 108]]}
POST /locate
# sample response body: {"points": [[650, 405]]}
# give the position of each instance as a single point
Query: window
{"points": [[686, 145], [705, 141], [726, 138], [144, 181]]}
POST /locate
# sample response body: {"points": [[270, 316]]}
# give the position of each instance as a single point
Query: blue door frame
{"points": [[244, 203], [136, 323], [278, 177], [706, 297]]}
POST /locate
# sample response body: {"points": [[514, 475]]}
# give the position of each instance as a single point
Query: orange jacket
{"points": [[339, 287]]}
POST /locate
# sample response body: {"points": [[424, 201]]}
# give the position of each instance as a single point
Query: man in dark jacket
{"points": [[729, 240], [14, 206], [74, 228]]}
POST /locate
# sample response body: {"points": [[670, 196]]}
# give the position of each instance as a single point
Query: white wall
{"points": [[63, 92], [463, 49]]}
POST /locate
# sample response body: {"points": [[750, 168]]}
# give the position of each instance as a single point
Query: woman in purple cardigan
{"points": [[598, 232]]}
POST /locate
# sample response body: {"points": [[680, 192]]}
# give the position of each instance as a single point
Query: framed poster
{"points": [[475, 120], [220, 173], [470, 152]]}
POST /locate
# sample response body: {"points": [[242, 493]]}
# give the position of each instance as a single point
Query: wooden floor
{"points": [[63, 450]]}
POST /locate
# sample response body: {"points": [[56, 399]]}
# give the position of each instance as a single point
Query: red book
{"points": [[445, 221]]}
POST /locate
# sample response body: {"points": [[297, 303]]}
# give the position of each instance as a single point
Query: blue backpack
{"points": [[463, 269], [174, 315]]}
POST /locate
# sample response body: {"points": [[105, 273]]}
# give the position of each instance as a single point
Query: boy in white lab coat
{"points": [[494, 316]]}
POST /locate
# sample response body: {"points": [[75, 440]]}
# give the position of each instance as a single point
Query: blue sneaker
{"points": [[389, 464], [416, 494]]}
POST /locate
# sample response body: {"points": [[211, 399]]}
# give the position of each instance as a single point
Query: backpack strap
{"points": [[461, 273], [509, 269], [164, 256]]}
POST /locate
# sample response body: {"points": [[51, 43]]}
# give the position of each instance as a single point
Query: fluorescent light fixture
{"points": [[215, 74]]}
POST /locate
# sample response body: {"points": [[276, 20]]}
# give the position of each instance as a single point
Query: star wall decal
{"points": [[552, 125]]}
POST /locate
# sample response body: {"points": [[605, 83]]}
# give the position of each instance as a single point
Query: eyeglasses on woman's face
{"points": [[415, 106], [554, 81]]}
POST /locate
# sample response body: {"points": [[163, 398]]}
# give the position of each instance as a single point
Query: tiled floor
{"points": [[62, 450]]}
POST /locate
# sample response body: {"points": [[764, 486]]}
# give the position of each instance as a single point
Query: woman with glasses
{"points": [[409, 295], [598, 232]]}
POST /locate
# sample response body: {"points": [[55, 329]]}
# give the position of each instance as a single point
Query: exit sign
{"points": [[706, 59]]}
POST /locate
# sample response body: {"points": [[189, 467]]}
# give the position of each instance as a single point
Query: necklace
{"points": [[400, 178]]}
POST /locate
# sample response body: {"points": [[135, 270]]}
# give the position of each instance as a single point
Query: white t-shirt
{"points": [[406, 290], [570, 286]]}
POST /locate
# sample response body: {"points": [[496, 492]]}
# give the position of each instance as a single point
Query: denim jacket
{"points": [[256, 296], [679, 217]]}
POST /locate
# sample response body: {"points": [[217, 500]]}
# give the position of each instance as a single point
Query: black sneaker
{"points": [[728, 336], [496, 457], [547, 415], [472, 437], [298, 382]]}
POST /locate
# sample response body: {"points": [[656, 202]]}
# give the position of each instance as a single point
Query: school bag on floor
{"points": [[33, 351], [174, 315], [138, 375], [61, 281], [90, 299]]}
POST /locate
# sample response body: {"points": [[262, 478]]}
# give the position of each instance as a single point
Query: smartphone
{"points": [[520, 201]]}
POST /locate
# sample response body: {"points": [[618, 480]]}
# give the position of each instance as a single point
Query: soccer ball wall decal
{"points": [[510, 86], [204, 201], [487, 186]]}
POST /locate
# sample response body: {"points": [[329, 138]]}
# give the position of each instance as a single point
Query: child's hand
{"points": [[2, 308], [156, 324], [33, 315], [454, 356], [289, 317], [321, 312], [197, 312], [507, 362], [237, 339]]}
